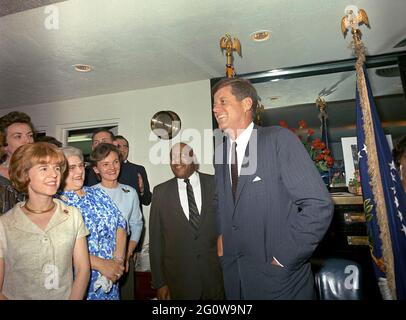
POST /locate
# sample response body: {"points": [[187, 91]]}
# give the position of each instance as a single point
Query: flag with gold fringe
{"points": [[383, 194]]}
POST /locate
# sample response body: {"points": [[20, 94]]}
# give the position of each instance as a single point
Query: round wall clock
{"points": [[165, 124]]}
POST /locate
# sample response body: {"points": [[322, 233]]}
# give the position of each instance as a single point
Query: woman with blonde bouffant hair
{"points": [[42, 240]]}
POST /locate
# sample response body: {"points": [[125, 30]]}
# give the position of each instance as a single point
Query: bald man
{"points": [[182, 231]]}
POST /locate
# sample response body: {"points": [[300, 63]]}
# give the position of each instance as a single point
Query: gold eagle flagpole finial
{"points": [[229, 45], [353, 18]]}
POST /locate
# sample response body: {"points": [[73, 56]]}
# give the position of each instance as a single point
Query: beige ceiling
{"points": [[134, 44]]}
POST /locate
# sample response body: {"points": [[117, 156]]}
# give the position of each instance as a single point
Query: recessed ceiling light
{"points": [[82, 67], [261, 35]]}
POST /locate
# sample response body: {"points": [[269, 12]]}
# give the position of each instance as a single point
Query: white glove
{"points": [[104, 283]]}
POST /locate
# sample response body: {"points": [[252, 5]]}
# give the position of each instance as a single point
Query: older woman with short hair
{"points": [[41, 240], [106, 224]]}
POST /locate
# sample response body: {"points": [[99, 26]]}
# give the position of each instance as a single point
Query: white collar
{"points": [[193, 178], [244, 137]]}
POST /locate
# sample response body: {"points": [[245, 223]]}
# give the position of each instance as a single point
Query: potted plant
{"points": [[354, 185]]}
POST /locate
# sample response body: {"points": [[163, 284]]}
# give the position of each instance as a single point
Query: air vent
{"points": [[388, 72], [82, 67], [261, 35]]}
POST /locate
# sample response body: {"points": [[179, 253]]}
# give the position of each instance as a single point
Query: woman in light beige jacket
{"points": [[42, 240]]}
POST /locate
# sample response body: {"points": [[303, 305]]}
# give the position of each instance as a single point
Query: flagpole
{"points": [[373, 170], [373, 161]]}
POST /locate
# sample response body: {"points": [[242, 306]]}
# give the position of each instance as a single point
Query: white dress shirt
{"points": [[195, 182], [242, 142]]}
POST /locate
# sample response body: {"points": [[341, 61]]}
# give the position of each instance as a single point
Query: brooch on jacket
{"points": [[64, 198], [125, 190]]}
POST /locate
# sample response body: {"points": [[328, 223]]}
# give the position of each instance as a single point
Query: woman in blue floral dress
{"points": [[106, 225]]}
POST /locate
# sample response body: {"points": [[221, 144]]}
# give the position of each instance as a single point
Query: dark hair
{"points": [[50, 139], [29, 155], [399, 149], [122, 138], [240, 88], [102, 130], [101, 151], [9, 119], [14, 117]]}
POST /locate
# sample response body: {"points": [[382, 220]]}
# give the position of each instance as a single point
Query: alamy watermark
{"points": [[202, 144], [51, 280], [51, 21], [351, 281]]}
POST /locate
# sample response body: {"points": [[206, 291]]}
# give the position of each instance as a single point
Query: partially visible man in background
{"points": [[16, 129], [133, 174]]}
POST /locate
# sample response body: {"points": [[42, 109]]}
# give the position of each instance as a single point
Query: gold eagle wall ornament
{"points": [[353, 18], [321, 104], [229, 45]]}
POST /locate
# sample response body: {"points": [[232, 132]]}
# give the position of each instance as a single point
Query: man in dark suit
{"points": [[272, 206], [183, 237], [133, 174]]}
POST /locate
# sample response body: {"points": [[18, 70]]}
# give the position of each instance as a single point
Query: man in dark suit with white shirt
{"points": [[183, 237], [272, 206], [133, 174]]}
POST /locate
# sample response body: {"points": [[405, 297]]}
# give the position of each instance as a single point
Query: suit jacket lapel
{"points": [[204, 187], [246, 167]]}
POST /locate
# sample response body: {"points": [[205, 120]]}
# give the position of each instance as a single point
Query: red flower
{"points": [[330, 161], [317, 149], [302, 124], [319, 157]]}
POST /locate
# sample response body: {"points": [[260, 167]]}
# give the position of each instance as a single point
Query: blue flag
{"points": [[385, 201]]}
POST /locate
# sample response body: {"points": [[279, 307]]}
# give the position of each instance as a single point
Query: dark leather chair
{"points": [[337, 279]]}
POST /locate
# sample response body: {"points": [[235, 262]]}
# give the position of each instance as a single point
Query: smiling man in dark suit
{"points": [[183, 237], [272, 206]]}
